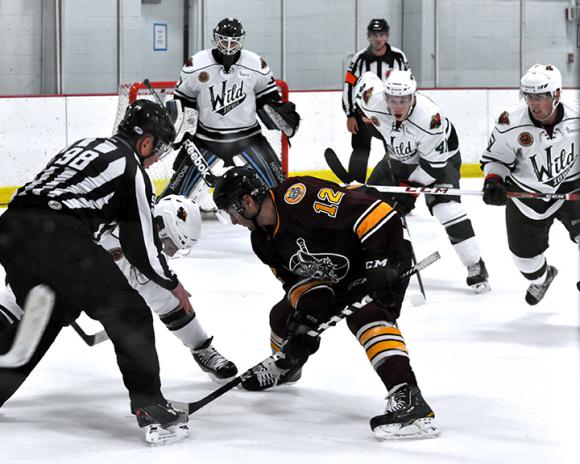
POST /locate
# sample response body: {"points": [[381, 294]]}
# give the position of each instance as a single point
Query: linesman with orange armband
{"points": [[331, 246]]}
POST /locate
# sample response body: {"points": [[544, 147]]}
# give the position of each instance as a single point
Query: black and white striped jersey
{"points": [[365, 60], [536, 159], [103, 184]]}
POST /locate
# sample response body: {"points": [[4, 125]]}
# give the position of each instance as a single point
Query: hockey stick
{"points": [[346, 311], [90, 340], [37, 311], [336, 166], [339, 170]]}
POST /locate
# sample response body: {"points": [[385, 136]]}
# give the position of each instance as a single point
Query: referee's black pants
{"points": [[361, 149], [41, 246]]}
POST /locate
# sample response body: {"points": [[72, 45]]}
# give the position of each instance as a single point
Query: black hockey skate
{"points": [[407, 416], [270, 375], [220, 369], [162, 423], [536, 292], [477, 277]]}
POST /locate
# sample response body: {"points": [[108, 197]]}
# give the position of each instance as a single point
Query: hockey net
{"points": [[161, 171]]}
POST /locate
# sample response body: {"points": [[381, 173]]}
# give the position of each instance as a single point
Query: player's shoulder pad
{"points": [[369, 90], [200, 60], [427, 114], [513, 116], [253, 61]]}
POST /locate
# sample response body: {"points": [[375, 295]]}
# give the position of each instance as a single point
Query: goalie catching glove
{"points": [[280, 116]]}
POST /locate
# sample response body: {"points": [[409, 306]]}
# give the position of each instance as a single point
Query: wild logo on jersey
{"points": [[401, 152], [557, 165], [228, 99], [319, 266]]}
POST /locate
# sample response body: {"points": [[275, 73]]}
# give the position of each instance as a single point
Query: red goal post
{"points": [[161, 172]]}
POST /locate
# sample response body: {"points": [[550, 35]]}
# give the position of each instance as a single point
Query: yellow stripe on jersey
{"points": [[296, 292], [372, 219]]}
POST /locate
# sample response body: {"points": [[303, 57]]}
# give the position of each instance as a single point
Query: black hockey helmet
{"points": [[378, 25], [229, 36], [147, 117], [234, 184]]}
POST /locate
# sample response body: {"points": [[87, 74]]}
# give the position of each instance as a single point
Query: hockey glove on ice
{"points": [[494, 190], [383, 282]]}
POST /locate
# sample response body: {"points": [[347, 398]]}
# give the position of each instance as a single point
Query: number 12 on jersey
{"points": [[330, 201]]}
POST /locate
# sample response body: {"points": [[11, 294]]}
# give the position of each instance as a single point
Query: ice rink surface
{"points": [[502, 377]]}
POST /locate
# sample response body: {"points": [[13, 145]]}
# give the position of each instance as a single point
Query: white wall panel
{"points": [[34, 129]]}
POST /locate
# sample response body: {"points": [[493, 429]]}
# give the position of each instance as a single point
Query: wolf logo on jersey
{"points": [[319, 266]]}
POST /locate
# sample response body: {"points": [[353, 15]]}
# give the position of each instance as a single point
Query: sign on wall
{"points": [[159, 36]]}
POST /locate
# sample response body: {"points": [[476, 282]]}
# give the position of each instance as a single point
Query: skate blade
{"points": [[482, 287], [157, 435], [419, 429]]}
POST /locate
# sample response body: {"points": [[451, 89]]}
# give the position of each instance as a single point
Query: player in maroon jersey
{"points": [[330, 246]]}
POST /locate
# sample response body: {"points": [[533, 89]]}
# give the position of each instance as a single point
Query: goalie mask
{"points": [[233, 185], [229, 36], [146, 117], [179, 221]]}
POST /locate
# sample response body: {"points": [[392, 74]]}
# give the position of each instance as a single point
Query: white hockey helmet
{"points": [[400, 83], [541, 78], [180, 220]]}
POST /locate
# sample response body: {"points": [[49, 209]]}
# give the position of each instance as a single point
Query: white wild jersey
{"points": [[226, 102], [423, 135], [534, 160]]}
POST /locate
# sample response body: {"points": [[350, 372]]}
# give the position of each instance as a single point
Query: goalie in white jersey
{"points": [[421, 149], [178, 221], [226, 88], [534, 148]]}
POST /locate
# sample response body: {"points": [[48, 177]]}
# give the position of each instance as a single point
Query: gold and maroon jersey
{"points": [[322, 233]]}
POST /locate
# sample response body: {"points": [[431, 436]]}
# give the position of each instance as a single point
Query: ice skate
{"points": [[162, 423], [219, 369], [269, 375], [536, 292], [407, 416], [477, 277]]}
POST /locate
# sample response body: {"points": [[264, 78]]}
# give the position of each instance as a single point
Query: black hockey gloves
{"points": [[299, 345], [404, 203], [494, 190], [383, 282]]}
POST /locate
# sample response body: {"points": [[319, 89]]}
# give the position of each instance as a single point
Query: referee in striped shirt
{"points": [[380, 58], [47, 236]]}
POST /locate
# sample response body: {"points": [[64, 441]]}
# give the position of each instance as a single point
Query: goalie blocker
{"points": [[280, 116]]}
